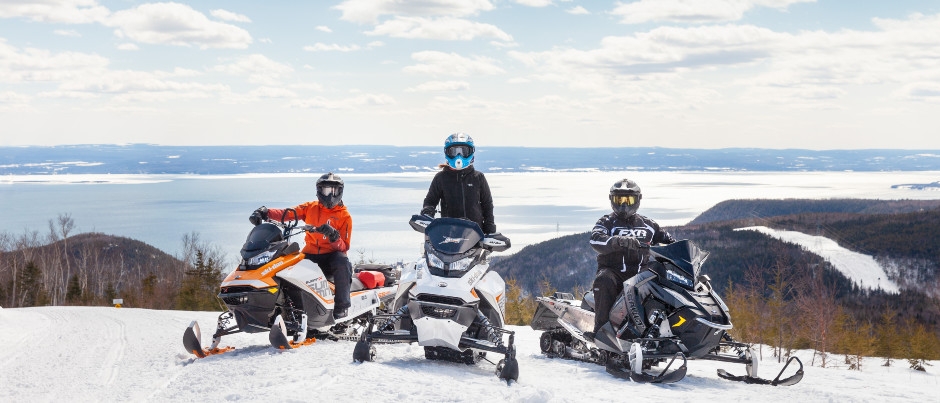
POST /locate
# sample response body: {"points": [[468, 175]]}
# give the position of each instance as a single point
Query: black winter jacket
{"points": [[625, 261], [462, 194]]}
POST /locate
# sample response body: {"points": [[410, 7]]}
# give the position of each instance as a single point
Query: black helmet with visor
{"points": [[330, 190], [625, 197]]}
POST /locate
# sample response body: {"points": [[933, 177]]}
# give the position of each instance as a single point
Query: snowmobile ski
{"points": [[192, 341], [278, 336], [788, 381]]}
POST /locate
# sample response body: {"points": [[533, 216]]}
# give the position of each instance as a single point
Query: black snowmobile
{"points": [[667, 313]]}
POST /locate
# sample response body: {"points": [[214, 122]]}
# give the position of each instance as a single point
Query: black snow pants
{"points": [[336, 265]]}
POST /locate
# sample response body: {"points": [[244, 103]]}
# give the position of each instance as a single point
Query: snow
{"points": [[862, 269], [105, 354]]}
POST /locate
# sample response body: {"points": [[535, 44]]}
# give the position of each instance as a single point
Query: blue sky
{"points": [[553, 73]]}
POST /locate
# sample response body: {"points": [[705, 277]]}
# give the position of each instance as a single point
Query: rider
{"points": [[622, 240], [327, 245], [461, 190]]}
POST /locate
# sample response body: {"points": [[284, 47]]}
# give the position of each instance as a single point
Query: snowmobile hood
{"points": [[453, 236], [684, 254]]}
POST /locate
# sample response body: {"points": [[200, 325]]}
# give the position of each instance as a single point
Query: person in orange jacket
{"points": [[326, 246]]}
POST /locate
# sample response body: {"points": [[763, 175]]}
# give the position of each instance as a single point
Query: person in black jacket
{"points": [[461, 190], [622, 240]]}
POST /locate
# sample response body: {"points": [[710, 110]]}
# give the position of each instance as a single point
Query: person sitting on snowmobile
{"points": [[461, 190], [622, 240], [326, 246]]}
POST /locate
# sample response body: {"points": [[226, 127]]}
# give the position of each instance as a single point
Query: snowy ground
{"points": [[119, 355]]}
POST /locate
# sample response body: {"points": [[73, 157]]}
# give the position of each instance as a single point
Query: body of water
{"points": [[529, 207]]}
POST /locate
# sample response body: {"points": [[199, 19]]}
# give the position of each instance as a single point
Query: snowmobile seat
{"points": [[587, 303], [371, 279], [356, 285]]}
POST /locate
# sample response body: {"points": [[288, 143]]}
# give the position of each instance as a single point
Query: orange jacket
{"points": [[314, 214]]}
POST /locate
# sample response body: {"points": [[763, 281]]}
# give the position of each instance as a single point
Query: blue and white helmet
{"points": [[458, 150]]}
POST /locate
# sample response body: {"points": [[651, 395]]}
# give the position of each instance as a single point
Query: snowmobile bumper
{"points": [[438, 325], [251, 307]]}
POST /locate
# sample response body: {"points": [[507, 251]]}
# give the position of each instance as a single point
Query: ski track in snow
{"points": [[862, 269], [102, 354]]}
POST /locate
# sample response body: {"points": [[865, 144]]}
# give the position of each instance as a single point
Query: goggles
{"points": [[462, 150], [329, 190], [621, 200]]}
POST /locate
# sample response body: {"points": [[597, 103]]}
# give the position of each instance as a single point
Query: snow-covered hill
{"points": [[119, 355], [860, 268]]}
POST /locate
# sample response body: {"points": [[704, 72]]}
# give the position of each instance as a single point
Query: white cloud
{"points": [[67, 32], [809, 69], [128, 46], [10, 100], [322, 47], [346, 103], [225, 15], [324, 28], [453, 29], [369, 11], [38, 65], [258, 68], [578, 10], [452, 64], [693, 11], [920, 91], [439, 86], [55, 11], [534, 3], [176, 24]]}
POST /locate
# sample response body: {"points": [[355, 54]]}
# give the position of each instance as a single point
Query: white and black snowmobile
{"points": [[449, 301], [275, 290], [667, 313]]}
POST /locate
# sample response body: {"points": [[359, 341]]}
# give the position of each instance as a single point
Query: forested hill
{"points": [[762, 209], [99, 268], [908, 244]]}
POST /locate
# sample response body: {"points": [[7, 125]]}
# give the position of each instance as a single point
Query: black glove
{"points": [[258, 216], [428, 211], [331, 233], [628, 243]]}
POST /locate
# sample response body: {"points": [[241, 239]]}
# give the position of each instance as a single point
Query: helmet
{"points": [[458, 149], [330, 190], [625, 197]]}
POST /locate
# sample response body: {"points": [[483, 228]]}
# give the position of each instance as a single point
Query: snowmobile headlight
{"points": [[462, 264], [261, 258], [678, 279], [435, 262]]}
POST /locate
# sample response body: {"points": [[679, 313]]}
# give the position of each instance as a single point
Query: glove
{"points": [[630, 243], [259, 215], [331, 233], [428, 211]]}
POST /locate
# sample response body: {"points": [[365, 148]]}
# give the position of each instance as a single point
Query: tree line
{"points": [[62, 268]]}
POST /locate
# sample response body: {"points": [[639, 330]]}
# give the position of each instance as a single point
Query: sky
{"points": [[534, 73]]}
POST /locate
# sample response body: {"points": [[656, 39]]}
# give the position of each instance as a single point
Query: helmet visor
{"points": [[329, 190], [628, 200], [462, 150]]}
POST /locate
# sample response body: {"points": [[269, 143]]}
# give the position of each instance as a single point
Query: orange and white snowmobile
{"points": [[275, 290]]}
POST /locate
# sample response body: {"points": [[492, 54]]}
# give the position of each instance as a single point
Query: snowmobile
{"points": [[449, 301], [275, 290], [667, 313]]}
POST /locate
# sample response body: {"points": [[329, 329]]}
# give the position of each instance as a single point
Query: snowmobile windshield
{"points": [[453, 236], [260, 238], [683, 254]]}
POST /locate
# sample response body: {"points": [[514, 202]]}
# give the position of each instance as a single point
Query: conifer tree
{"points": [[73, 294]]}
